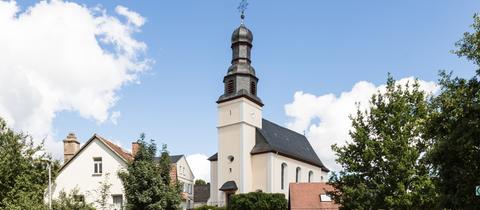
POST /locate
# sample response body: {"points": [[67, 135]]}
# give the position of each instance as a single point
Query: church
{"points": [[254, 154]]}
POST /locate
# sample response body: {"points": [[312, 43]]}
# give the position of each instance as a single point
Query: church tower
{"points": [[239, 115]]}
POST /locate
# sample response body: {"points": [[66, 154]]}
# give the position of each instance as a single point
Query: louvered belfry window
{"points": [[253, 88], [230, 86]]}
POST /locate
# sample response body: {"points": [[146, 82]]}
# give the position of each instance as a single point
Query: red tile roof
{"points": [[117, 149], [305, 196]]}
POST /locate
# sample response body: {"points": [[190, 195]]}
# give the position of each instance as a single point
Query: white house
{"points": [[99, 159], [254, 154]]}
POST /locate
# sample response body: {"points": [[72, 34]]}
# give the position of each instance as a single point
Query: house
{"points": [[181, 170], [254, 154], [98, 160], [312, 196], [202, 193]]}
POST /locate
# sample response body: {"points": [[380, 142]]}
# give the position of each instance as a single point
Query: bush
{"points": [[258, 201], [207, 207]]}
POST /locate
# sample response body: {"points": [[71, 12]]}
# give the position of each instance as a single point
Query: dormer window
{"points": [[97, 165], [230, 86]]}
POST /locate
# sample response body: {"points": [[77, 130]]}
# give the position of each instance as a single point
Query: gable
{"points": [[111, 147], [183, 162]]}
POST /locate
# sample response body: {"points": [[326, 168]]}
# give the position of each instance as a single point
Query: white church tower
{"points": [[254, 154], [239, 114]]}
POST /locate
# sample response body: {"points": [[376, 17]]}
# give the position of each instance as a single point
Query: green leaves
{"points": [[258, 201], [23, 171], [383, 165], [147, 182]]}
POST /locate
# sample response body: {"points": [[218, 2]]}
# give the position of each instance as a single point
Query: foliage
{"points": [[383, 167], [23, 170], [103, 193], [258, 201], [70, 201], [147, 182], [207, 207], [200, 182], [469, 45], [455, 130]]}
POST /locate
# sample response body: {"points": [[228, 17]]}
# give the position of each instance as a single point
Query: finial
{"points": [[241, 8]]}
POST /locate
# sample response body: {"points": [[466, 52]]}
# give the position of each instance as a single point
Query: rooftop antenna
{"points": [[241, 8]]}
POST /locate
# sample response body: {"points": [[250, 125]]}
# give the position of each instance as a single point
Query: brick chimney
{"points": [[70, 147], [135, 148]]}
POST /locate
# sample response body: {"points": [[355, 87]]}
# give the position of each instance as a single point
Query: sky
{"points": [[121, 68]]}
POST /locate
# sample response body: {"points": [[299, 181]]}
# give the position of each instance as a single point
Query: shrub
{"points": [[258, 201], [207, 207]]}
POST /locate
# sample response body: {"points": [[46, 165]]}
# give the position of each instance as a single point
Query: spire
{"points": [[240, 80]]}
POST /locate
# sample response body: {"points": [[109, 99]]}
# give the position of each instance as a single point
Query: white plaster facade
{"points": [[186, 177], [79, 173]]}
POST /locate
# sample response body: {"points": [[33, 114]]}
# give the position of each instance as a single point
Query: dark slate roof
{"points": [[229, 186], [275, 138], [201, 193], [214, 157], [173, 158]]}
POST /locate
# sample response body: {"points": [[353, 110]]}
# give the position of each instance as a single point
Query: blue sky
{"points": [[318, 47]]}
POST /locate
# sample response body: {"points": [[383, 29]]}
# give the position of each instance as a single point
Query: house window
{"points": [[230, 86], [284, 171], [297, 176], [310, 176], [117, 202], [97, 165]]}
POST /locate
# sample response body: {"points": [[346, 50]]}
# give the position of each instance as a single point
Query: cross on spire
{"points": [[241, 8]]}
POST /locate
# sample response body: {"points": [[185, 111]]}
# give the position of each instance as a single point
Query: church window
{"points": [[230, 86], [310, 176], [253, 88], [284, 171], [97, 165], [297, 177], [230, 158]]}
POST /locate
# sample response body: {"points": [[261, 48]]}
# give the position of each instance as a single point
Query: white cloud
{"points": [[132, 17], [325, 118], [200, 166], [61, 56]]}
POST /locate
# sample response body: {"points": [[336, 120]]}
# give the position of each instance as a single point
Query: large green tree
{"points": [[383, 165], [23, 171], [454, 129], [147, 182]]}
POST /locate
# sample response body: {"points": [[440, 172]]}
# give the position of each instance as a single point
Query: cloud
{"points": [[325, 119], [61, 56], [200, 166]]}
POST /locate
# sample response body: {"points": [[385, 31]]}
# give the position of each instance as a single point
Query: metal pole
{"points": [[49, 185]]}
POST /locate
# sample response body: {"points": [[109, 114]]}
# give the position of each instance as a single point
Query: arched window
{"points": [[297, 177], [283, 175], [310, 176]]}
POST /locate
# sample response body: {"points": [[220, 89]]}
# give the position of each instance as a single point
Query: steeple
{"points": [[240, 80]]}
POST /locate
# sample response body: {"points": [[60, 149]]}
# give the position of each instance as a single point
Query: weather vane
{"points": [[241, 8]]}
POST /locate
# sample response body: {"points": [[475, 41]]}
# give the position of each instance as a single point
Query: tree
{"points": [[147, 182], [455, 131], [258, 201], [71, 201], [23, 170], [200, 182], [383, 165], [103, 193]]}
